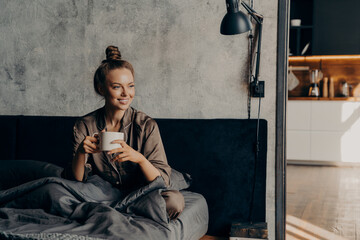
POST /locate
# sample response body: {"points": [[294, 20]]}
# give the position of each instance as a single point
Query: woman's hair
{"points": [[113, 61]]}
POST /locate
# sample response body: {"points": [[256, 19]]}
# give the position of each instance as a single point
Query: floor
{"points": [[323, 202], [207, 237]]}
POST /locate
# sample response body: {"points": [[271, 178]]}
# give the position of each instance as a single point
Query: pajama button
{"points": [[117, 183]]}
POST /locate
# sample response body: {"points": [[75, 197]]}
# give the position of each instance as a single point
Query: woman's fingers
{"points": [[89, 149], [93, 139], [116, 150], [124, 159], [121, 157], [90, 144], [121, 142]]}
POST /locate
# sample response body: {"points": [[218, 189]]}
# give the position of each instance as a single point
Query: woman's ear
{"points": [[101, 90]]}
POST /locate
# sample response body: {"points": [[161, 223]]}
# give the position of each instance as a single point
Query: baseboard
{"points": [[322, 163], [245, 238]]}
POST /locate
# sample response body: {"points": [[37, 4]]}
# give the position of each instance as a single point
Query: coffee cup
{"points": [[105, 139]]}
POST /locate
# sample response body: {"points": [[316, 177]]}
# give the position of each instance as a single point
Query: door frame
{"points": [[281, 101]]}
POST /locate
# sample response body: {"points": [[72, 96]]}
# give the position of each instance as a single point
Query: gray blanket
{"points": [[56, 208]]}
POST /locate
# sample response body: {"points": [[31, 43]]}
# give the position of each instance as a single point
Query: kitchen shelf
{"points": [[300, 36], [301, 27]]}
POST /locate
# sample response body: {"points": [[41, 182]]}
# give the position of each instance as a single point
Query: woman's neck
{"points": [[113, 117]]}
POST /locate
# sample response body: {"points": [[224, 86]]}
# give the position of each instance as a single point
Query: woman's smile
{"points": [[123, 101]]}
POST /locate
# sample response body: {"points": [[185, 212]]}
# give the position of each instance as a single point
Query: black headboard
{"points": [[218, 153], [220, 156]]}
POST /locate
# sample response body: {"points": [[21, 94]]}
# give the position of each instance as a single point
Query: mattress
{"points": [[99, 221]]}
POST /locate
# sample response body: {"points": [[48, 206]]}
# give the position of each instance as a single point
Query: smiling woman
{"points": [[141, 158]]}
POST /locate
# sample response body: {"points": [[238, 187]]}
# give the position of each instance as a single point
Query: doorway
{"points": [[322, 158]]}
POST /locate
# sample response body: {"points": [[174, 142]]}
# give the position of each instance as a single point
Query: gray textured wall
{"points": [[184, 68]]}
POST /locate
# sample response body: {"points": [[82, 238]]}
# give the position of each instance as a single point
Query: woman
{"points": [[142, 157]]}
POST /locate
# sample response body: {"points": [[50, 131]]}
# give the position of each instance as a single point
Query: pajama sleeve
{"points": [[79, 134], [153, 150]]}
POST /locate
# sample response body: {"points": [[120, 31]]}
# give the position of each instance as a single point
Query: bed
{"points": [[218, 154], [45, 206]]}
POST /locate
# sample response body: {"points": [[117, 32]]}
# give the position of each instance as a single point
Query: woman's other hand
{"points": [[89, 145], [127, 153]]}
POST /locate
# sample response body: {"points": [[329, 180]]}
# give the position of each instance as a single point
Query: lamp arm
{"points": [[258, 55], [259, 19]]}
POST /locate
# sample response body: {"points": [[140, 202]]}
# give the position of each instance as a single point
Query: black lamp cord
{"points": [[257, 150], [257, 144]]}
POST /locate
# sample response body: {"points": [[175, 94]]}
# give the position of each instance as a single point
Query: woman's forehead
{"points": [[121, 75]]}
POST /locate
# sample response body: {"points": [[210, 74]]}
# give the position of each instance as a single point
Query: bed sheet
{"points": [[100, 220]]}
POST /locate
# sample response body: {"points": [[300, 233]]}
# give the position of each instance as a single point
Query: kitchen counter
{"points": [[323, 130], [350, 99]]}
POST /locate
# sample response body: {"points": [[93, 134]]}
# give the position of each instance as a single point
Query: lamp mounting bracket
{"points": [[257, 89]]}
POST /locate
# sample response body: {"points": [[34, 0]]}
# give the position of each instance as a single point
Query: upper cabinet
{"points": [[301, 35], [328, 27]]}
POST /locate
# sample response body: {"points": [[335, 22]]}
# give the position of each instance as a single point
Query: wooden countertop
{"points": [[350, 99]]}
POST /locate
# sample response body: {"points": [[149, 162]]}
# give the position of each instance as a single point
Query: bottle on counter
{"points": [[356, 90], [325, 91], [331, 88], [344, 89]]}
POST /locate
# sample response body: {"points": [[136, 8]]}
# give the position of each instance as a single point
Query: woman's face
{"points": [[119, 89]]}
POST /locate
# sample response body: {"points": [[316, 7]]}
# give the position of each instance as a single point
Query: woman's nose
{"points": [[124, 92]]}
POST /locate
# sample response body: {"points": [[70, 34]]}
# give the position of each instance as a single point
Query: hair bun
{"points": [[112, 53]]}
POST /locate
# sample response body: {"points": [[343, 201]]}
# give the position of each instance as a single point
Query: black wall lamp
{"points": [[236, 22]]}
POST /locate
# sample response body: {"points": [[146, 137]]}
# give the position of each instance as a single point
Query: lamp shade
{"points": [[235, 21]]}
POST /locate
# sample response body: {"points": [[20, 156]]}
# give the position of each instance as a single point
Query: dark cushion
{"points": [[179, 181], [17, 172]]}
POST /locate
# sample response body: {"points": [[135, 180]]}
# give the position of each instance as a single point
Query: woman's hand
{"points": [[127, 153], [89, 145]]}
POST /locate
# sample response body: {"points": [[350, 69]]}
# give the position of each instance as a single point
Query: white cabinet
{"points": [[325, 146], [298, 115], [323, 131], [295, 150]]}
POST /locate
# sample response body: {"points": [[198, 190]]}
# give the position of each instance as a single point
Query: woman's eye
{"points": [[132, 85], [115, 87]]}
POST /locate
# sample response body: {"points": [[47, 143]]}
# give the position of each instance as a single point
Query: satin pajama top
{"points": [[141, 132]]}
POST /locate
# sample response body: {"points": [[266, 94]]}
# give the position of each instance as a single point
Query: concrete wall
{"points": [[184, 67]]}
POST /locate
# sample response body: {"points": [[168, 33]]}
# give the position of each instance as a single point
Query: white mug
{"points": [[105, 139]]}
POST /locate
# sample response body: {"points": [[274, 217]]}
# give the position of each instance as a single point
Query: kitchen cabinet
{"points": [[323, 131], [336, 27], [330, 26], [300, 36]]}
